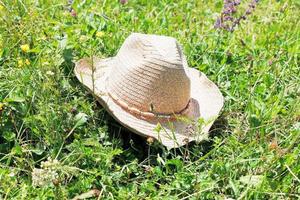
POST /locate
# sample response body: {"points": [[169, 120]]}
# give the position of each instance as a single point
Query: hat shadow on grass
{"points": [[139, 146]]}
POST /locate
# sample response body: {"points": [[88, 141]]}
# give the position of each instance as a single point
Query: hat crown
{"points": [[149, 74]]}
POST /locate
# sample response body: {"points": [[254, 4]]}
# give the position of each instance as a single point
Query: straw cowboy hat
{"points": [[149, 88]]}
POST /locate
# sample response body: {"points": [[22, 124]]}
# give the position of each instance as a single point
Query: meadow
{"points": [[57, 142]]}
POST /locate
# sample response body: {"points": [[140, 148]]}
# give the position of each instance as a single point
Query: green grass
{"points": [[46, 113]]}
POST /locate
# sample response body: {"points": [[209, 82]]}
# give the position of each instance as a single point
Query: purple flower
{"points": [[227, 20], [73, 13], [218, 23], [237, 2]]}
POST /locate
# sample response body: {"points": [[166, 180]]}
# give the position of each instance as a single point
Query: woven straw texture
{"points": [[149, 88]]}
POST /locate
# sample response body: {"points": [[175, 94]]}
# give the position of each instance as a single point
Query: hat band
{"points": [[147, 115]]}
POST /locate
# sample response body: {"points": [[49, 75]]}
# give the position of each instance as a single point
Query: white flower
{"points": [[11, 174], [47, 174], [50, 73], [252, 180], [42, 177]]}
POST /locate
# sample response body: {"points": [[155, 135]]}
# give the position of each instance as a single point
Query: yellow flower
{"points": [[83, 38], [100, 34], [20, 63], [1, 106], [27, 62], [25, 48], [43, 37], [1, 7]]}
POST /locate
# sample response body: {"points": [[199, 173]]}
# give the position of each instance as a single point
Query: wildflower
{"points": [[20, 63], [270, 62], [253, 180], [43, 177], [100, 34], [73, 13], [47, 174], [83, 38], [45, 63], [150, 140], [50, 73], [43, 37], [1, 7], [25, 48], [27, 62], [227, 20], [11, 174]]}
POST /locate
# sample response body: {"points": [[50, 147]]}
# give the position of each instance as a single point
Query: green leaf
{"points": [[175, 162], [91, 142], [80, 118], [9, 136], [17, 150], [39, 149], [15, 99]]}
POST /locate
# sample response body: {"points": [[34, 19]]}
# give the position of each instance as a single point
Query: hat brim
{"points": [[205, 105]]}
